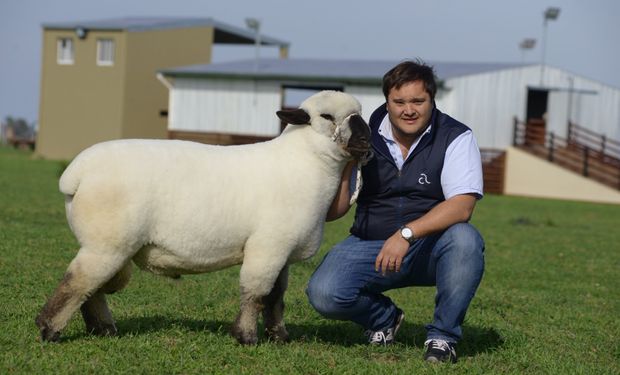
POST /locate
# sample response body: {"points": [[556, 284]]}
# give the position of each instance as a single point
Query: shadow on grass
{"points": [[476, 339]]}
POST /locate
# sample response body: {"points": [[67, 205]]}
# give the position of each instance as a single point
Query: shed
{"points": [[235, 102], [241, 97]]}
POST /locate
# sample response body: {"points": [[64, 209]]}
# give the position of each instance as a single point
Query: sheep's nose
{"points": [[359, 143], [359, 127]]}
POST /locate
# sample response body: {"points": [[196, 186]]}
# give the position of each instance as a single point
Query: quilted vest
{"points": [[391, 198]]}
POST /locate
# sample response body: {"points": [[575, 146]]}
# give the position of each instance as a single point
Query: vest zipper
{"points": [[400, 197]]}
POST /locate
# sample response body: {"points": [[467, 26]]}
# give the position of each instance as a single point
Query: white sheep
{"points": [[177, 207]]}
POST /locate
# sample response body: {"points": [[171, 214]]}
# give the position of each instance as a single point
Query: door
{"points": [[536, 116]]}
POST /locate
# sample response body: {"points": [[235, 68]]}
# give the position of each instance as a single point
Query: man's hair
{"points": [[409, 71]]}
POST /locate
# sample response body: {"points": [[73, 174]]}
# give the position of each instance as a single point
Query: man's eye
{"points": [[327, 116]]}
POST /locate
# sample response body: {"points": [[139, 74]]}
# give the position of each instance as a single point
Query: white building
{"points": [[484, 96], [240, 98]]}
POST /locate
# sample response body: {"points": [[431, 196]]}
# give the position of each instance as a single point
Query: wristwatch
{"points": [[407, 234]]}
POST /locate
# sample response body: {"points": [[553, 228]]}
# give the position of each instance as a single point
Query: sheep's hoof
{"points": [[277, 334], [104, 330], [244, 338], [47, 333]]}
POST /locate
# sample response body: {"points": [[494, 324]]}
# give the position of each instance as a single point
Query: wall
{"points": [[488, 102], [147, 52], [370, 97], [527, 175], [225, 106], [80, 104]]}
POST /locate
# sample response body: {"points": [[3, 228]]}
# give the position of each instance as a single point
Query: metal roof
{"points": [[224, 33], [345, 71]]}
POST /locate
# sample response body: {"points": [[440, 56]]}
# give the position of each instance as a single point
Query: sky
{"points": [[583, 40]]}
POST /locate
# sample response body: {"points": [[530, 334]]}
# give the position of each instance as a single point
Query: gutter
{"points": [[166, 82]]}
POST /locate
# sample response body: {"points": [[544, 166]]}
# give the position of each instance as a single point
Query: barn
{"points": [[527, 118]]}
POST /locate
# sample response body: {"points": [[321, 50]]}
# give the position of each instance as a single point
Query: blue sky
{"points": [[583, 40]]}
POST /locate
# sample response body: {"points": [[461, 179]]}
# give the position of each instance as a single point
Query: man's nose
{"points": [[409, 108]]}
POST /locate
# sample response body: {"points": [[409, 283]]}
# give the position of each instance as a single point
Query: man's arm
{"points": [[340, 205], [457, 209]]}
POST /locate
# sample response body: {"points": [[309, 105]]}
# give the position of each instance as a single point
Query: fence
{"points": [[584, 152], [493, 170], [599, 145]]}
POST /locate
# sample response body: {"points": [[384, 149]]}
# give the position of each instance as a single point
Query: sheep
{"points": [[177, 207]]}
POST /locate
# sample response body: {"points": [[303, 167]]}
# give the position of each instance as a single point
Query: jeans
{"points": [[346, 286]]}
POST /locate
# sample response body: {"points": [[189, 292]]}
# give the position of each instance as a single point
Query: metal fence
{"points": [[585, 152]]}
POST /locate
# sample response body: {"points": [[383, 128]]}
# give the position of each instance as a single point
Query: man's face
{"points": [[409, 109]]}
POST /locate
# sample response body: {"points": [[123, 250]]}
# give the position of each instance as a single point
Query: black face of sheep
{"points": [[359, 143]]}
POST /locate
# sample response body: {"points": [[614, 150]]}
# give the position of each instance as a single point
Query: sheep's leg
{"points": [[95, 310], [244, 328], [273, 313], [85, 276], [257, 278], [97, 316]]}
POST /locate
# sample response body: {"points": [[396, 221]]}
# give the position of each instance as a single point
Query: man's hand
{"points": [[392, 253]]}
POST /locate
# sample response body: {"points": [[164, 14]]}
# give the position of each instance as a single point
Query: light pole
{"points": [[526, 44], [254, 24], [552, 14]]}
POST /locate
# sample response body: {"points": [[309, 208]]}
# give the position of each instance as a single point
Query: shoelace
{"points": [[378, 336], [438, 344]]}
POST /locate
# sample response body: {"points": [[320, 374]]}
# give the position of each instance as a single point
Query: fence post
{"points": [[570, 132], [551, 146], [514, 130], [603, 144], [586, 155]]}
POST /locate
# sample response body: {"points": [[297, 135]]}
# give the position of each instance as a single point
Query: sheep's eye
{"points": [[327, 116]]}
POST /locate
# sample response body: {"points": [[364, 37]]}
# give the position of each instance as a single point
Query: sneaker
{"points": [[386, 336], [439, 351]]}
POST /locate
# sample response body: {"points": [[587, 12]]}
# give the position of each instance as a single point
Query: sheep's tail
{"points": [[70, 179]]}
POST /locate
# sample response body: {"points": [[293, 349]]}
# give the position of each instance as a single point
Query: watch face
{"points": [[406, 233]]}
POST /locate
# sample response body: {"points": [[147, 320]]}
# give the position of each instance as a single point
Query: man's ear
{"points": [[294, 116]]}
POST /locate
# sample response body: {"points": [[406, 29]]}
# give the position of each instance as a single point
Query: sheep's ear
{"points": [[294, 116]]}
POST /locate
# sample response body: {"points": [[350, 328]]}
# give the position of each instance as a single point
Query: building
{"points": [[99, 81], [485, 96], [235, 102]]}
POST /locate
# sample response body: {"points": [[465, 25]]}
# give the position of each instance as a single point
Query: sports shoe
{"points": [[439, 351], [386, 336]]}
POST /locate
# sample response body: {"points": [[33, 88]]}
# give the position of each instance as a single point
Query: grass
{"points": [[548, 304]]}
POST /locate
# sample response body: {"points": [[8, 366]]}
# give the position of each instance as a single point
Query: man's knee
{"points": [[464, 238], [461, 251], [325, 298]]}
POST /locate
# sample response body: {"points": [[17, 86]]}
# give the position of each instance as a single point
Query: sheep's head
{"points": [[336, 115]]}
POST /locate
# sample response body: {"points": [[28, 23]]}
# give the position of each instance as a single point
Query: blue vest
{"points": [[391, 198]]}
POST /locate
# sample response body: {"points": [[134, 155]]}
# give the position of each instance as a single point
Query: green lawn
{"points": [[549, 301]]}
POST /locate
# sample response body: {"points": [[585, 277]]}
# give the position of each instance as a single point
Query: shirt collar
{"points": [[385, 130]]}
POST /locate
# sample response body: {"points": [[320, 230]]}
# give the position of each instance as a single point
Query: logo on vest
{"points": [[423, 180]]}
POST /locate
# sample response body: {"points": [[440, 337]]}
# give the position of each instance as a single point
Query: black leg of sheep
{"points": [[273, 311]]}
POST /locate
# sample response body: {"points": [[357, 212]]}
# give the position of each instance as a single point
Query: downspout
{"points": [[168, 83]]}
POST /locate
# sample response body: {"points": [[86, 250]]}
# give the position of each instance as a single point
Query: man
{"points": [[411, 222]]}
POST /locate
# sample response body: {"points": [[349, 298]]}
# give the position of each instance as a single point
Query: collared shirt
{"points": [[461, 173]]}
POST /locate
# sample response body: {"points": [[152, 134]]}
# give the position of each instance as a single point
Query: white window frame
{"points": [[65, 51], [105, 52]]}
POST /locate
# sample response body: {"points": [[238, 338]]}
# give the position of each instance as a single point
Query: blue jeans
{"points": [[346, 286]]}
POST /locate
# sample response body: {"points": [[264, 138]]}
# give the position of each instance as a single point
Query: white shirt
{"points": [[462, 166]]}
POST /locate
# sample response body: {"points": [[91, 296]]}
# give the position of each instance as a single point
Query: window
{"points": [[64, 51], [105, 52]]}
